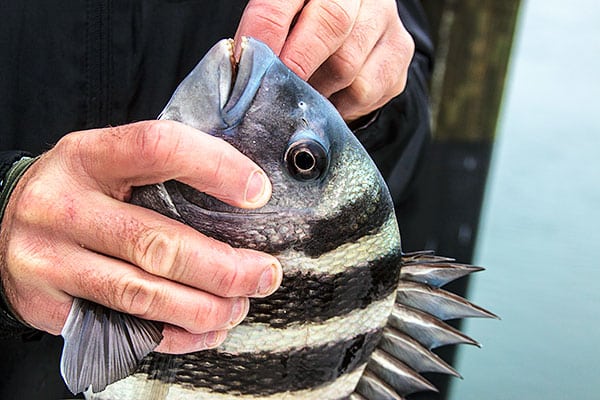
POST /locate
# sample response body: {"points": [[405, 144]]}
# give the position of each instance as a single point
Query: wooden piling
{"points": [[473, 40]]}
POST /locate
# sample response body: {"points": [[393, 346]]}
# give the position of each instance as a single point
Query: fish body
{"points": [[346, 322]]}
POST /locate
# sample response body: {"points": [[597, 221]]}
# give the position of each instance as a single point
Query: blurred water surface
{"points": [[540, 231]]}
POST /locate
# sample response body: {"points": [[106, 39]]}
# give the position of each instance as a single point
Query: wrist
{"points": [[12, 167], [9, 177]]}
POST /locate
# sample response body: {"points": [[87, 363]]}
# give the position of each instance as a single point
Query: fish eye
{"points": [[306, 159]]}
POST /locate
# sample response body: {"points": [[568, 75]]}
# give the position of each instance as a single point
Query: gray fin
{"points": [[436, 274], [437, 302], [372, 388], [416, 326], [102, 345], [422, 257], [426, 329], [413, 354], [396, 374]]}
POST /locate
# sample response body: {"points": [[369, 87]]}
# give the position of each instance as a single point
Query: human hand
{"points": [[354, 52], [68, 232]]}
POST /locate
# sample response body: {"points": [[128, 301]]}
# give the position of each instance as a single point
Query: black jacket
{"points": [[73, 65]]}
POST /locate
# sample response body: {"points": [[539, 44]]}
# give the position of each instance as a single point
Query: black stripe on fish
{"points": [[315, 297], [250, 229], [262, 373], [362, 217]]}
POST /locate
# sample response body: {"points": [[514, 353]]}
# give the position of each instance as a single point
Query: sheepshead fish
{"points": [[354, 317]]}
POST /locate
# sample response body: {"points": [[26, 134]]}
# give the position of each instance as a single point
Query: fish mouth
{"points": [[220, 89], [215, 97], [243, 78]]}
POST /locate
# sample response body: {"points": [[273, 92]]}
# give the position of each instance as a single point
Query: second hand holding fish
{"points": [[356, 53]]}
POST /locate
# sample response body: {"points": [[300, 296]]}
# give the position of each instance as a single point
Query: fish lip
{"points": [[218, 92], [240, 215], [245, 76], [181, 196]]}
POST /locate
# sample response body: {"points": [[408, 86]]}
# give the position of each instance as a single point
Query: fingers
{"points": [[61, 242], [268, 21], [123, 287], [168, 249], [355, 52], [64, 270], [322, 27], [379, 80], [155, 151], [179, 341], [371, 67], [303, 34], [344, 65]]}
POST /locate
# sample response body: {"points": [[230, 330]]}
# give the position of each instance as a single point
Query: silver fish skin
{"points": [[345, 322]]}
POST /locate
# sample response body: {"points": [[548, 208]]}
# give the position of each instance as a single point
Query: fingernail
{"points": [[213, 339], [269, 280], [239, 310], [256, 187]]}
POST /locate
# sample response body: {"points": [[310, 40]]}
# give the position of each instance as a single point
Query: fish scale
{"points": [[347, 321]]}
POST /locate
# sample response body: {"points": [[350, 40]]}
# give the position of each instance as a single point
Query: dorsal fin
{"points": [[416, 326]]}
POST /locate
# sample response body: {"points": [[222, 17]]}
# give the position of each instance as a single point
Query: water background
{"points": [[540, 230]]}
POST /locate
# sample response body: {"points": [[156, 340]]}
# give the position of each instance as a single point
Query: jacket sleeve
{"points": [[397, 137]]}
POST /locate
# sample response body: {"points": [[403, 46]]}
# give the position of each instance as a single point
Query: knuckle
{"points": [[268, 15], [159, 253], [400, 43], [206, 317], [73, 143], [333, 23], [216, 173], [299, 61], [363, 91], [343, 68], [404, 35], [34, 200], [156, 143], [391, 77], [136, 297], [67, 141], [38, 206], [336, 20], [409, 43], [76, 152], [225, 281]]}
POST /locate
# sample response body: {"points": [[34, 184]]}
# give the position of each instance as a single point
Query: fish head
{"points": [[322, 178]]}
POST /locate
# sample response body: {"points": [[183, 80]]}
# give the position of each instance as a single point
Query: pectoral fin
{"points": [[102, 345]]}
